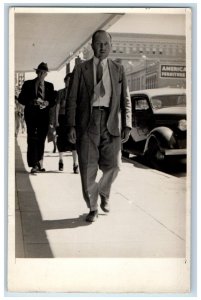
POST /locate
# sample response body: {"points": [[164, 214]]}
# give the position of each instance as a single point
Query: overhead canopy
{"points": [[54, 38]]}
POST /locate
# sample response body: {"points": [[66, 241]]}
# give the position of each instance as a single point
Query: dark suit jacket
{"points": [[79, 101], [28, 95]]}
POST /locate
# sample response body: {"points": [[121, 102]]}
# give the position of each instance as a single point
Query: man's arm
{"points": [[71, 100], [125, 109], [72, 135], [125, 133], [71, 104], [22, 99]]}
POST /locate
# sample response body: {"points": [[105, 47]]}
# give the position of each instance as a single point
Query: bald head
{"points": [[101, 44]]}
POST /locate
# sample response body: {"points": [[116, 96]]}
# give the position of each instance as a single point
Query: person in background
{"points": [[22, 121], [63, 144], [19, 114], [98, 116], [51, 135], [37, 96]]}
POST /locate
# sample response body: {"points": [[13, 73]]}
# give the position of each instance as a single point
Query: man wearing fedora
{"points": [[37, 96]]}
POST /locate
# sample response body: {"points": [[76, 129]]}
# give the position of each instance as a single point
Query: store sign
{"points": [[172, 71]]}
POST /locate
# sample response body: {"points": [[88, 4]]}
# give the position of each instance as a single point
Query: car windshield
{"points": [[162, 101]]}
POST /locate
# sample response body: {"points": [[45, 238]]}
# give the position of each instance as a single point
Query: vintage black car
{"points": [[159, 127]]}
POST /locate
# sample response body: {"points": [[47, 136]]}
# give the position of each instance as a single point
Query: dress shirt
{"points": [[105, 100]]}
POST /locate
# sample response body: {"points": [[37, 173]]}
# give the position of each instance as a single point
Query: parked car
{"points": [[159, 127]]}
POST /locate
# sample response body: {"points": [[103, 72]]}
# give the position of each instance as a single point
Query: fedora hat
{"points": [[42, 67]]}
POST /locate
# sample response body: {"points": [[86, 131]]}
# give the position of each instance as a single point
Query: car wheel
{"points": [[154, 156]]}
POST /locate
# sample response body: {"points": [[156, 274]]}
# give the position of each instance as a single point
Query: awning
{"points": [[54, 38]]}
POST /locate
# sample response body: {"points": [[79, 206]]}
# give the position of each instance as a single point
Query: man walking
{"points": [[98, 114], [37, 96]]}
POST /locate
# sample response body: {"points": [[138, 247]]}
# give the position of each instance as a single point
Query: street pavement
{"points": [[147, 218]]}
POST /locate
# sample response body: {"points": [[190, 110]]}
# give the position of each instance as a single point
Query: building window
{"points": [[132, 85], [121, 49], [127, 50], [174, 51], [114, 49], [180, 50], [167, 50], [141, 50]]}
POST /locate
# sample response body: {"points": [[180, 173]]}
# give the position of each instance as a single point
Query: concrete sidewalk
{"points": [[147, 217]]}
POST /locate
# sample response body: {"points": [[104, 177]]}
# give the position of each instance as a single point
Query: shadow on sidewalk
{"points": [[34, 237], [28, 210], [66, 223]]}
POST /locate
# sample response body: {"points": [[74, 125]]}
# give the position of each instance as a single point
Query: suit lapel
{"points": [[34, 88], [114, 76], [88, 74]]}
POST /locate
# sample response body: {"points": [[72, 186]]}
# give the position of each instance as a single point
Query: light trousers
{"points": [[97, 149]]}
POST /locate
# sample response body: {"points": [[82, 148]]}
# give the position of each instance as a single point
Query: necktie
{"points": [[99, 75], [40, 91]]}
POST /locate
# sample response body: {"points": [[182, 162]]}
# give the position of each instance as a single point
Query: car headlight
{"points": [[182, 125]]}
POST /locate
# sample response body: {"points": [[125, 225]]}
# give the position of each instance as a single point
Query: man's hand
{"points": [[42, 103], [72, 135], [125, 134]]}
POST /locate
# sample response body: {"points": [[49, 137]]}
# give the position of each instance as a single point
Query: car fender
{"points": [[163, 135]]}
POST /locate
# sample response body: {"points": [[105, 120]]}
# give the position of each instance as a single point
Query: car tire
{"points": [[151, 154]]}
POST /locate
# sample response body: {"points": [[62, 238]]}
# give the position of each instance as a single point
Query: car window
{"points": [[141, 104], [162, 101], [156, 103]]}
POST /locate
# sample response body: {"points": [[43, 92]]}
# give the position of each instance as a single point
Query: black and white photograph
{"points": [[99, 161]]}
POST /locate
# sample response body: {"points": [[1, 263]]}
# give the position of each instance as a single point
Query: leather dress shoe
{"points": [[105, 204], [40, 169], [61, 165], [92, 216], [35, 170], [75, 169]]}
